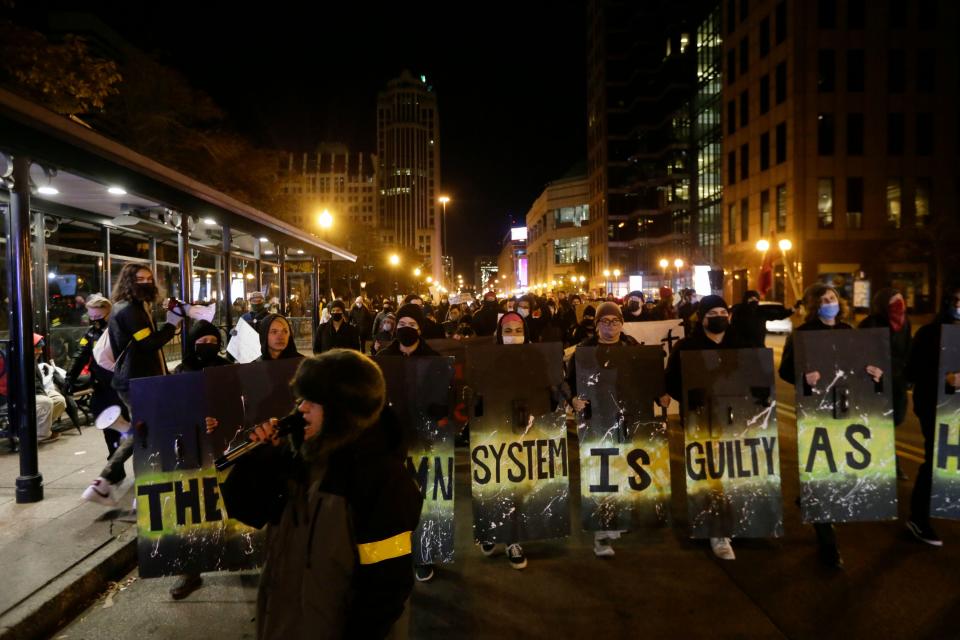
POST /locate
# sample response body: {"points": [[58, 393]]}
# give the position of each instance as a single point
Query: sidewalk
{"points": [[58, 554]]}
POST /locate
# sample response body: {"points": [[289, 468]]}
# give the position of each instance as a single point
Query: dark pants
{"points": [[920, 498]]}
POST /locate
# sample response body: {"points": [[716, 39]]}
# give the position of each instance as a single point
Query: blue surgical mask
{"points": [[955, 312], [829, 311]]}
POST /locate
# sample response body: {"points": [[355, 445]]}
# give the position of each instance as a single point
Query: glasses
{"points": [[609, 322]]}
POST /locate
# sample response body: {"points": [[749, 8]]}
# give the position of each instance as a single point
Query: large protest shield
{"points": [[731, 443], [182, 524], [664, 333], [945, 492], [419, 394], [624, 449], [457, 349], [518, 442], [845, 441]]}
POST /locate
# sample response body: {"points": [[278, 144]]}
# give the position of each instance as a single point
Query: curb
{"points": [[64, 597]]}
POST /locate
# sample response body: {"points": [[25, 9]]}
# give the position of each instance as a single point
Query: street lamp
{"points": [[325, 220], [443, 200], [763, 246], [417, 272], [394, 260], [785, 245], [429, 279]]}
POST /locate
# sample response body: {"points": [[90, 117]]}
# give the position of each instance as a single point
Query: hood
{"points": [[200, 329], [512, 315], [289, 352]]}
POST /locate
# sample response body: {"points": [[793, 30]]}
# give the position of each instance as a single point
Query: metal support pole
{"points": [[38, 254], [227, 276], [258, 267], [23, 402], [316, 296], [106, 275], [282, 255], [186, 275]]}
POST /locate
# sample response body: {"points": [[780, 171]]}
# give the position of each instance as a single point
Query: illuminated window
{"points": [[921, 201], [894, 202], [825, 203]]}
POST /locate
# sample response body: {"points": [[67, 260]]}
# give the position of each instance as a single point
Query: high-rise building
{"points": [[512, 261], [485, 273], [641, 96], [330, 178], [557, 238], [841, 139], [408, 148]]}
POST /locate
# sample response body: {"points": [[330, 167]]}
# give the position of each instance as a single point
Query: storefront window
{"points": [[570, 250], [300, 292], [270, 275]]}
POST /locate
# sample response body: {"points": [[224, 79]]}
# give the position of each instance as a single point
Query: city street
{"points": [[660, 584]]}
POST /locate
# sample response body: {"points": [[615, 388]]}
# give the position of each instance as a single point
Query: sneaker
{"points": [[488, 548], [924, 534], [722, 549], [602, 548], [515, 554], [101, 492], [423, 572], [185, 585]]}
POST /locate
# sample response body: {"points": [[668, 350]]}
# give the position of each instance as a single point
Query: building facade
{"points": [[841, 138], [558, 242], [485, 273], [408, 150], [512, 261], [333, 179]]}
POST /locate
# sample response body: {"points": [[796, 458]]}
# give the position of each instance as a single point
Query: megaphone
{"points": [[112, 418]]}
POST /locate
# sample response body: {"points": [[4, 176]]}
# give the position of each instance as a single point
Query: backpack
{"points": [[103, 352]]}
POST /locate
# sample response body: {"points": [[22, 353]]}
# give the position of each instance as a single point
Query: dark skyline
{"points": [[510, 81]]}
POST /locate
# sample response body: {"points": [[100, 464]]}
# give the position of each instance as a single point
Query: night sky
{"points": [[510, 79]]}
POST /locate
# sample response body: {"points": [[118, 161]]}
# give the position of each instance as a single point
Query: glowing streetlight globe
{"points": [[394, 259], [678, 263], [416, 272], [325, 220], [763, 245], [785, 245], [664, 264]]}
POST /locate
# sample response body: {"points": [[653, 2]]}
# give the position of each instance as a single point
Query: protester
{"points": [[202, 350], [825, 312], [276, 339], [750, 319], [137, 347], [430, 329], [889, 310], [712, 333], [923, 370], [485, 319], [386, 334], [387, 308], [452, 321], [609, 334], [586, 328], [664, 310], [362, 320], [104, 395], [409, 343], [687, 310], [338, 333], [258, 309], [339, 505], [633, 310]]}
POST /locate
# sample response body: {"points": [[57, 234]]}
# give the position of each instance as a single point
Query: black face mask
{"points": [[633, 305], [587, 322], [717, 324], [98, 324], [408, 336], [337, 316], [256, 308], [145, 291], [207, 351], [754, 303]]}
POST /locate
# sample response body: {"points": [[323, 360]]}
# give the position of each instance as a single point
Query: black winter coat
{"points": [[328, 337], [698, 340], [788, 359], [923, 368], [137, 343]]}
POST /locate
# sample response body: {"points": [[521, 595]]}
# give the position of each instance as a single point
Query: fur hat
{"points": [[349, 386]]}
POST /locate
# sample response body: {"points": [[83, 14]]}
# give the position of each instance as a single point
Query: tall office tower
{"points": [[840, 141], [408, 149], [641, 95]]}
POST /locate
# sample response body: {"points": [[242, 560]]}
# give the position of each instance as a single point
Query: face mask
{"points": [[256, 308], [387, 326], [755, 303], [898, 314], [524, 312], [512, 339], [829, 311], [207, 350], [717, 324], [99, 323], [955, 313], [633, 305], [338, 316], [408, 336], [145, 291], [553, 309], [587, 322]]}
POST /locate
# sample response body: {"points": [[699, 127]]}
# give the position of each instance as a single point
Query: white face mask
{"points": [[523, 311], [512, 339]]}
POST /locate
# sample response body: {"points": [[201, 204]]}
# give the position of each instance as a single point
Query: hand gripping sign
{"points": [[419, 393], [182, 524], [624, 449], [845, 442], [731, 443], [518, 442], [945, 492]]}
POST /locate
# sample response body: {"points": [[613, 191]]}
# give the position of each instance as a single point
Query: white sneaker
{"points": [[488, 548], [101, 492], [602, 548], [722, 549], [515, 554]]}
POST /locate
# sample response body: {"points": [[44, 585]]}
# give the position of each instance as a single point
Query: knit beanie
{"points": [[609, 309], [349, 386], [710, 302], [411, 310]]}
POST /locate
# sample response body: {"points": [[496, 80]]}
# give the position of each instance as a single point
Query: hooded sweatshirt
{"points": [[191, 361], [289, 352]]}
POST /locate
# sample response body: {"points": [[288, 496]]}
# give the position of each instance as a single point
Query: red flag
{"points": [[765, 280]]}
